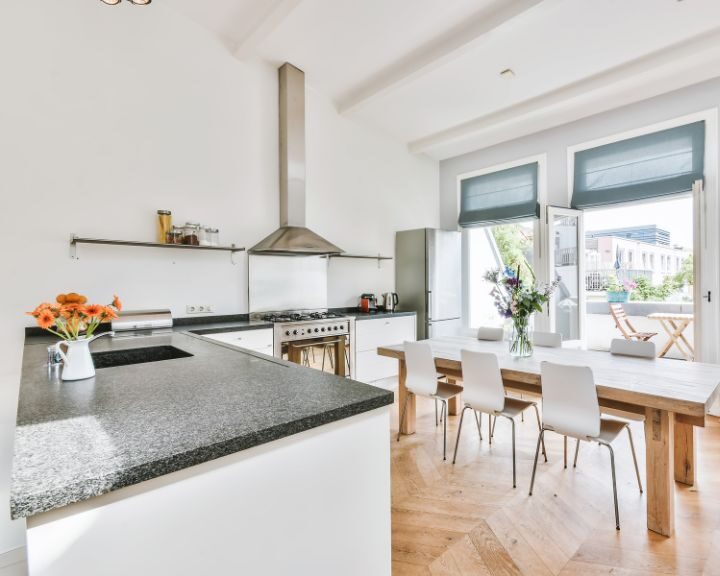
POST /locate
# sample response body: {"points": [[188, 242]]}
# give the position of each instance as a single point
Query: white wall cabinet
{"points": [[260, 340], [370, 334]]}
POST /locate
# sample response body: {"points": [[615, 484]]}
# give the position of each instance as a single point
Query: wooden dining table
{"points": [[674, 398]]}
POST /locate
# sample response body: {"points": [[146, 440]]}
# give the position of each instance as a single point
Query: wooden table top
{"points": [[687, 388], [667, 316]]}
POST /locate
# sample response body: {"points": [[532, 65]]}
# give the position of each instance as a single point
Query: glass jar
{"points": [[164, 223], [175, 236], [191, 234], [212, 236]]}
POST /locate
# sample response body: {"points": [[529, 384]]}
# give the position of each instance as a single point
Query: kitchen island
{"points": [[219, 462]]}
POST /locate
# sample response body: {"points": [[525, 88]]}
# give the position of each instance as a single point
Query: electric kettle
{"points": [[390, 301]]}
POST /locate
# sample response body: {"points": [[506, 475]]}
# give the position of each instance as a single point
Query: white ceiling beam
{"points": [[670, 68], [267, 24], [434, 54]]}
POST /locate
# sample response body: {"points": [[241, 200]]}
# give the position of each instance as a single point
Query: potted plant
{"points": [[73, 320], [617, 292], [519, 300]]}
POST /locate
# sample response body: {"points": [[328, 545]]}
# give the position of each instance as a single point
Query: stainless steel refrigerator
{"points": [[428, 279]]}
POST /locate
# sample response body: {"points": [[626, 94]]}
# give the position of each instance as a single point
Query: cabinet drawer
{"points": [[369, 334], [256, 340], [371, 367]]}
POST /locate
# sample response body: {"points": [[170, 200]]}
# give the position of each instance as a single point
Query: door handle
{"points": [[708, 296]]}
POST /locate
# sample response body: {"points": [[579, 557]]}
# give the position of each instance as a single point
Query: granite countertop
{"points": [[379, 314], [77, 440]]}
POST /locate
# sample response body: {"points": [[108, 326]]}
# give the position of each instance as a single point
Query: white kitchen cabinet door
{"points": [[260, 340], [371, 334]]}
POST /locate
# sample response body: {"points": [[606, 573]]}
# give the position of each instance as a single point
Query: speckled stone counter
{"points": [[77, 440]]}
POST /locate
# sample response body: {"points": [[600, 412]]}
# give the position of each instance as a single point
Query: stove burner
{"points": [[298, 317]]}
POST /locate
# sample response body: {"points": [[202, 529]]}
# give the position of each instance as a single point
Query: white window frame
{"points": [[539, 230], [706, 241]]}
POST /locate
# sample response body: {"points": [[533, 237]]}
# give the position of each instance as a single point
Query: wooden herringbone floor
{"points": [[467, 520]]}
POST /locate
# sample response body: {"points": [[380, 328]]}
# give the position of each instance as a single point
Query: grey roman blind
{"points": [[500, 196], [648, 166]]}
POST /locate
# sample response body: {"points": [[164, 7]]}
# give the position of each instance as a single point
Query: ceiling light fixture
{"points": [[136, 2], [507, 73]]}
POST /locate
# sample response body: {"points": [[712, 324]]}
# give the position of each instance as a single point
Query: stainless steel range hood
{"points": [[293, 238]]}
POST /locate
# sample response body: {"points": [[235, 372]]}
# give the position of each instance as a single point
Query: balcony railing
{"points": [[597, 280]]}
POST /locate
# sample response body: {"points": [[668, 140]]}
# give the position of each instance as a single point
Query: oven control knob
{"points": [[322, 329], [287, 332], [316, 330], [295, 332]]}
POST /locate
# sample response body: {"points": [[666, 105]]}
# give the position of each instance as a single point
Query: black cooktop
{"points": [[299, 316]]}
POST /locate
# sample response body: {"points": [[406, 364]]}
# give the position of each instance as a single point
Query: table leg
{"points": [[339, 351], [685, 451], [407, 427], [659, 427], [681, 335], [454, 404], [670, 341]]}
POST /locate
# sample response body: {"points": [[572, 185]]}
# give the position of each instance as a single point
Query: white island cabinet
{"points": [[382, 331]]}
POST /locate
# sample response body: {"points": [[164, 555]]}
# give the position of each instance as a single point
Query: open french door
{"points": [[566, 255], [705, 289]]}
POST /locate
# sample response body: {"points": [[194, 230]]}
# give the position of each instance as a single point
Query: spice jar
{"points": [[164, 223], [175, 236], [191, 234], [212, 236]]}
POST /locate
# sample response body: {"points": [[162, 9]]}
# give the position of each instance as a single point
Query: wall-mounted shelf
{"points": [[379, 258], [75, 240]]}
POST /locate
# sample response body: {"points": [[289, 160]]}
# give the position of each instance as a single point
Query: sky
{"points": [[675, 216]]}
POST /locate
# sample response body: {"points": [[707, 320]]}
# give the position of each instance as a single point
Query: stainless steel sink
{"points": [[115, 358]]}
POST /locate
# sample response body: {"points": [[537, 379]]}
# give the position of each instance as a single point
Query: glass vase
{"points": [[520, 343]]}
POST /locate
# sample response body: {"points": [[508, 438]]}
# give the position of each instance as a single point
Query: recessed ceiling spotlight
{"points": [[507, 73], [137, 2]]}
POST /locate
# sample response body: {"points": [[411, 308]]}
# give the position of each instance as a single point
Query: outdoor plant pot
{"points": [[620, 296]]}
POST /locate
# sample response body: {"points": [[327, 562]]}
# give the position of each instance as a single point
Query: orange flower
{"points": [[70, 310], [93, 310], [108, 313], [116, 303], [46, 319], [40, 308]]}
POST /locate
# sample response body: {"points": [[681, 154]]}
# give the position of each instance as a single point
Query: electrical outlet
{"points": [[199, 308]]}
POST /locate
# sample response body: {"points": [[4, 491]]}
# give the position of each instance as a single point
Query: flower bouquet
{"points": [[516, 299], [74, 321]]}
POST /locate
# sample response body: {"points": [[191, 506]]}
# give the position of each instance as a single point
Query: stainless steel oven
{"points": [[322, 340]]}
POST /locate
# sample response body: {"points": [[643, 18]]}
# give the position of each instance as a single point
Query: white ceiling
{"points": [[427, 71]]}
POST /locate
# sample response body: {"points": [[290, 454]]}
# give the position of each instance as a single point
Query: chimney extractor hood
{"points": [[293, 238]]}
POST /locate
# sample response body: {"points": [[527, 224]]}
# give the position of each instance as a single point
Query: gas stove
{"points": [[294, 332], [298, 316]]}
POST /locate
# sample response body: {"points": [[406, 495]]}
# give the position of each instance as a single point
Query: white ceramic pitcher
{"points": [[77, 361]]}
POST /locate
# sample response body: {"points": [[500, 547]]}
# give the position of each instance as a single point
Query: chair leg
{"points": [[632, 449], [565, 452], [577, 450], [490, 427], [402, 415], [512, 421], [445, 430], [537, 416], [442, 410], [436, 413], [537, 453], [478, 421], [494, 421], [457, 440], [612, 467], [323, 360]]}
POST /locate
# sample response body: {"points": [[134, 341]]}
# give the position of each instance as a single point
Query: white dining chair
{"points": [[484, 392], [422, 380], [546, 339], [571, 408]]}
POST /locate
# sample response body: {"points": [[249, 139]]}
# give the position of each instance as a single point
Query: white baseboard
{"points": [[13, 563]]}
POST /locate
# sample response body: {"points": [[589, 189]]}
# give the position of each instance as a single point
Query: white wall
{"points": [[110, 113]]}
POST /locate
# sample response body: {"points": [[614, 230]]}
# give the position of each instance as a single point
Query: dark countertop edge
{"points": [[234, 322], [32, 504]]}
